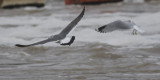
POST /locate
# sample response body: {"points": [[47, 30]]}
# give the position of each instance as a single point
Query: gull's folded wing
{"points": [[111, 26]]}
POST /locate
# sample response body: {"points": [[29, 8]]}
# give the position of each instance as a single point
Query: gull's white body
{"points": [[65, 40], [138, 29]]}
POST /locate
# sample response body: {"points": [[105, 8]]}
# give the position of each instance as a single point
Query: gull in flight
{"points": [[120, 25], [59, 38]]}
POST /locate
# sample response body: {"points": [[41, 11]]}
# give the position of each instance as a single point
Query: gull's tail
{"points": [[138, 29]]}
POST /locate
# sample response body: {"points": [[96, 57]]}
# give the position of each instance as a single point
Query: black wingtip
{"points": [[70, 42], [84, 8], [100, 29], [19, 45], [83, 11]]}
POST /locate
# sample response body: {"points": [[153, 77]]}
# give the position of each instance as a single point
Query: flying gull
{"points": [[62, 35], [120, 25]]}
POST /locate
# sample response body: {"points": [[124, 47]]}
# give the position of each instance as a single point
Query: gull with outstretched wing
{"points": [[120, 25], [62, 35]]}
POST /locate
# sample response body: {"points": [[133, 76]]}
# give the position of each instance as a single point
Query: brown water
{"points": [[83, 60]]}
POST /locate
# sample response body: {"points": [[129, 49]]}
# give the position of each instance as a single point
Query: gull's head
{"points": [[59, 42], [130, 21]]}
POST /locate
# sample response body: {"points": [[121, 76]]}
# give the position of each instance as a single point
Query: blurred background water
{"points": [[93, 56]]}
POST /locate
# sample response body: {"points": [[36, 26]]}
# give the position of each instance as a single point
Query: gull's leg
{"points": [[134, 32]]}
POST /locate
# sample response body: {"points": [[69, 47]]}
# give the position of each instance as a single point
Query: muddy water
{"points": [[114, 56]]}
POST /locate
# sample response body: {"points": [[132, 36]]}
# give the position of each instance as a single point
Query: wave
{"points": [[28, 29]]}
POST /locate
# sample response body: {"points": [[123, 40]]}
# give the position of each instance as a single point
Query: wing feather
{"points": [[37, 43], [109, 27], [70, 26]]}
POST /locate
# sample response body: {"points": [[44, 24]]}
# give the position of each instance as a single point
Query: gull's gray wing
{"points": [[40, 42], [116, 25], [66, 30]]}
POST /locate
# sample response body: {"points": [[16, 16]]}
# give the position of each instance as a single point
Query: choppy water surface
{"points": [[94, 56]]}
